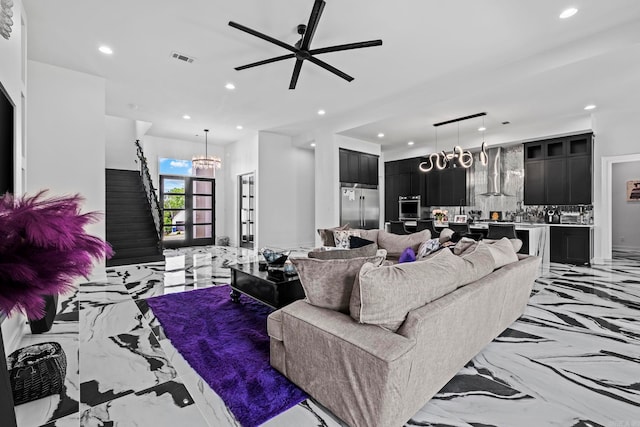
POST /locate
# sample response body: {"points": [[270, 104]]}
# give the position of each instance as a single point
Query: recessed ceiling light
{"points": [[105, 49], [482, 129], [313, 144], [239, 127], [410, 143], [381, 135], [568, 13], [186, 117], [590, 107], [230, 86], [321, 112]]}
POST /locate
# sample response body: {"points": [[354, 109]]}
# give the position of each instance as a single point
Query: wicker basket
{"points": [[37, 371]]}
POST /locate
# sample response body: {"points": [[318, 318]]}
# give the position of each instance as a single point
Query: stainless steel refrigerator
{"points": [[359, 206]]}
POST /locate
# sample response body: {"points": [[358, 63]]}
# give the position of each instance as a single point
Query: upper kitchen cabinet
{"points": [[559, 171], [358, 168], [402, 179]]}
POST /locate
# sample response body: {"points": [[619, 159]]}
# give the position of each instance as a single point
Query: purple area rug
{"points": [[227, 344]]}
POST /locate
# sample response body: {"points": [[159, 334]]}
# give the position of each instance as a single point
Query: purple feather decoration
{"points": [[43, 248]]}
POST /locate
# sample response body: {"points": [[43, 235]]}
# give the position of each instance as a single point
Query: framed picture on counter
{"points": [[460, 218], [633, 191]]}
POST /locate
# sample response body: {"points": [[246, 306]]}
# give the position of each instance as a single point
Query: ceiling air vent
{"points": [[182, 57]]}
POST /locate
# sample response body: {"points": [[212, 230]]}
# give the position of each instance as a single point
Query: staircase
{"points": [[131, 230]]}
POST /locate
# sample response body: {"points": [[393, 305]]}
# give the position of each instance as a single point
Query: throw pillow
{"points": [[385, 295], [478, 262], [516, 243], [502, 252], [341, 237], [328, 283], [408, 255], [445, 235], [358, 242], [326, 234], [395, 244], [365, 251], [427, 247]]}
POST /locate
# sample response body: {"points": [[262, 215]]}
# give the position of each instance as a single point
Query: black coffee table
{"points": [[272, 288]]}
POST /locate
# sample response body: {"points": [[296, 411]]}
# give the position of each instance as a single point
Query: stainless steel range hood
{"points": [[494, 171]]}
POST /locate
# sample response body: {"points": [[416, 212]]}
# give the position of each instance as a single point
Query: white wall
{"points": [[120, 148], [13, 78], [616, 134], [241, 157], [156, 148], [624, 214], [285, 188]]}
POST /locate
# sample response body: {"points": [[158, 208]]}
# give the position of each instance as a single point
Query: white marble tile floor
{"points": [[572, 359]]}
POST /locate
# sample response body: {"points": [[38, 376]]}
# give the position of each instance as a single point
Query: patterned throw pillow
{"points": [[341, 237]]}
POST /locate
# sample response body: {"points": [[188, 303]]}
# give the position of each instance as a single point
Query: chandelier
{"points": [[457, 157], [206, 161]]}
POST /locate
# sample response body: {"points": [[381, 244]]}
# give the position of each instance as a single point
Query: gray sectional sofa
{"points": [[409, 329]]}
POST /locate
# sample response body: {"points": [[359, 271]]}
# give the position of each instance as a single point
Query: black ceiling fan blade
{"points": [[330, 68], [296, 73], [266, 61], [316, 13], [347, 46], [263, 36]]}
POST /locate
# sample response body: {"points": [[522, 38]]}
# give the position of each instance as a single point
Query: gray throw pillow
{"points": [[365, 251], [503, 252], [328, 283], [326, 234], [385, 295]]}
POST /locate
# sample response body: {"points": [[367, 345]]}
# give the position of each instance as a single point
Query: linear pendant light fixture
{"points": [[206, 162], [457, 157]]}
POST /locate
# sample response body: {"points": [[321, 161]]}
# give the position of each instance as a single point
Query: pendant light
{"points": [[206, 162], [484, 159]]}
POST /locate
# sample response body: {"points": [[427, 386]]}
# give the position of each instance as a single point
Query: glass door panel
{"points": [[188, 210], [246, 195]]}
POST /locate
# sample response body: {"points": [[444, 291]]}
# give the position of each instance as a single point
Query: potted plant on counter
{"points": [[43, 249]]}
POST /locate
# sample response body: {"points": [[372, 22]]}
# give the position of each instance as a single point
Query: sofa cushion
{"points": [[365, 251], [326, 234], [341, 237], [503, 252], [328, 283], [385, 295], [479, 262], [516, 243], [395, 244]]}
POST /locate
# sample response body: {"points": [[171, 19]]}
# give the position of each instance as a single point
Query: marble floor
{"points": [[572, 359]]}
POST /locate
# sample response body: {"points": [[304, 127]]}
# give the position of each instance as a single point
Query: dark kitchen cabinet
{"points": [[558, 171], [358, 168], [447, 187], [534, 183], [453, 187], [402, 179], [570, 245]]}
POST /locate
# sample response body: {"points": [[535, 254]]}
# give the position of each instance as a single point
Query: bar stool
{"points": [[461, 228], [397, 227], [498, 231], [427, 224]]}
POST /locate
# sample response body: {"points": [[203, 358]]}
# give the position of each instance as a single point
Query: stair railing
{"points": [[152, 195]]}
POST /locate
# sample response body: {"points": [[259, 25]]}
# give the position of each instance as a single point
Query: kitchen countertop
{"points": [[485, 224]]}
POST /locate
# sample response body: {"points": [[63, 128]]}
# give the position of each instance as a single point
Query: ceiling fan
{"points": [[301, 50]]}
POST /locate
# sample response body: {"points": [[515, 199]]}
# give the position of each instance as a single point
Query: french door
{"points": [[188, 210]]}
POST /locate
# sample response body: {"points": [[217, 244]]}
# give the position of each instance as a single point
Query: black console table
{"points": [[272, 288], [7, 413]]}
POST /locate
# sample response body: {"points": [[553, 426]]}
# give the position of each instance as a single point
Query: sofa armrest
{"points": [[360, 372], [380, 343]]}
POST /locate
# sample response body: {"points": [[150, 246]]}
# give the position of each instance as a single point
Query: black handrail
{"points": [[152, 195]]}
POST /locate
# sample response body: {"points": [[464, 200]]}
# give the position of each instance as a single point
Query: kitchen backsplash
{"points": [[511, 202]]}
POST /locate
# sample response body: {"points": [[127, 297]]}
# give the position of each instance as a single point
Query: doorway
{"points": [[246, 209], [606, 234], [7, 157], [188, 210], [625, 210]]}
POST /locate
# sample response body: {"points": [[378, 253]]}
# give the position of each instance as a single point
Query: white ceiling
{"points": [[440, 60]]}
